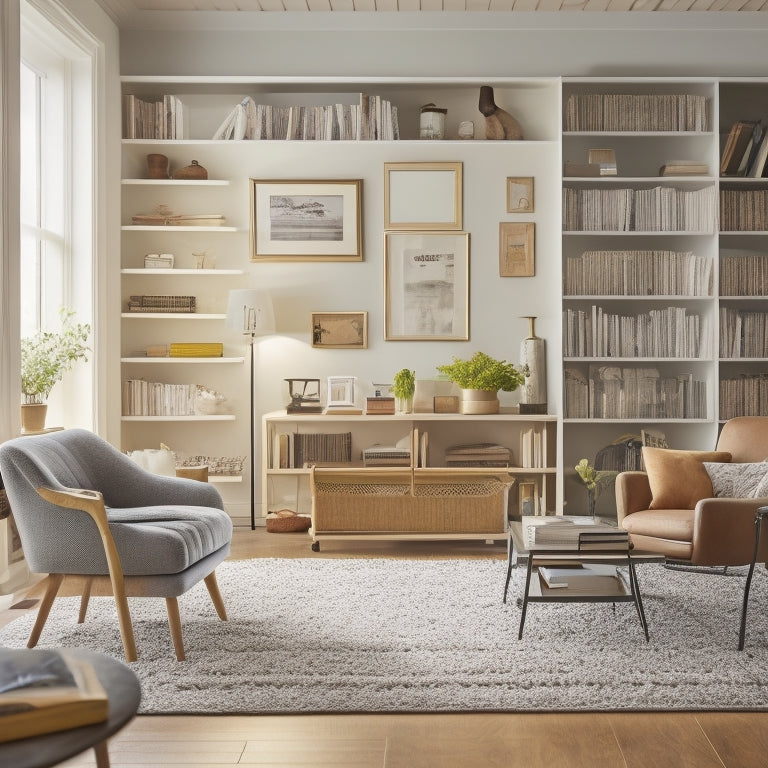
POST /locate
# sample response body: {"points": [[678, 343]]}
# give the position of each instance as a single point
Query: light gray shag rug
{"points": [[363, 635]]}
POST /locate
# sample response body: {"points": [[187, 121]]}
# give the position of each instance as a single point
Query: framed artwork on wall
{"points": [[426, 286], [340, 330], [306, 220], [516, 249], [520, 194], [423, 196]]}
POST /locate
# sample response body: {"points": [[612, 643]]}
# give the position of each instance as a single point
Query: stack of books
{"points": [[684, 168], [478, 455], [197, 349], [581, 578], [47, 691], [567, 533], [386, 456]]}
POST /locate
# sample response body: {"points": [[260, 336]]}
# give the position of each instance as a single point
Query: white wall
{"points": [[426, 45]]}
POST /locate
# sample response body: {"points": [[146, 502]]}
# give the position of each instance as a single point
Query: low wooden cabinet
{"points": [[533, 474]]}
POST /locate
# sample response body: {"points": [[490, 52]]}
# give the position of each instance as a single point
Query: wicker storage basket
{"points": [[287, 521], [410, 501]]}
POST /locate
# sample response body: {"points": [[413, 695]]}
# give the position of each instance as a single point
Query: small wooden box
{"points": [[446, 404], [380, 406]]}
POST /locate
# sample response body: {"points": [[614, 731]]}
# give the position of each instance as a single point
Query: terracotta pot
{"points": [[33, 417], [474, 401], [157, 166]]}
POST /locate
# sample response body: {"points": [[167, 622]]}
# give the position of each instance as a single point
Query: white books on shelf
{"points": [[582, 578]]}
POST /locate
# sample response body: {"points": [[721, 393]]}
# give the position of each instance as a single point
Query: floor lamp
{"points": [[250, 311]]}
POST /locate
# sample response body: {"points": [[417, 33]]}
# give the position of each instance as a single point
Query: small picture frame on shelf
{"points": [[423, 196], [520, 194], [426, 286], [306, 220], [341, 391], [340, 330], [517, 249]]}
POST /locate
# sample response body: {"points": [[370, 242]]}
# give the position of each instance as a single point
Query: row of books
{"points": [[743, 333], [746, 395], [667, 332], [162, 304], [372, 118], [658, 209], [614, 392], [159, 119], [745, 150], [298, 449], [638, 273], [743, 210], [154, 398], [743, 273], [637, 112]]}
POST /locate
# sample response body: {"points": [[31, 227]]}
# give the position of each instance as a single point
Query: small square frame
{"points": [[517, 249], [520, 194], [341, 391], [339, 330], [419, 196]]}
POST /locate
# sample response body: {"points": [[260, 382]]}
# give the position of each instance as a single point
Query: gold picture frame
{"points": [[317, 220], [517, 249], [520, 194], [426, 286], [423, 196], [340, 330]]}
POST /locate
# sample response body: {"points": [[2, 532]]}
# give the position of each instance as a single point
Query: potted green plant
{"points": [[402, 388], [45, 357], [480, 378]]}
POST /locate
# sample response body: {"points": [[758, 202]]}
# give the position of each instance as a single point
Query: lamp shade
{"points": [[250, 310]]}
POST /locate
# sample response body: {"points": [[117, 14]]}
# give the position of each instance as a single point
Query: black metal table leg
{"points": [[510, 564], [525, 596], [760, 513]]}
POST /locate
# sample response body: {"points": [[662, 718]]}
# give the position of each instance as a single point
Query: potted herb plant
{"points": [[45, 357], [480, 378], [403, 387]]}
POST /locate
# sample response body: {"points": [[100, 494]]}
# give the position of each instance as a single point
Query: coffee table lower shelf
{"points": [[623, 589]]}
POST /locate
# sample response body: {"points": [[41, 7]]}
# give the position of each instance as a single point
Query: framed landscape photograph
{"points": [[426, 286], [419, 196], [520, 194], [516, 249], [340, 330], [306, 220]]}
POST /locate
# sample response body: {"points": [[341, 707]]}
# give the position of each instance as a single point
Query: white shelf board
{"points": [[220, 417], [174, 360], [173, 228], [177, 182], [175, 272], [172, 316]]}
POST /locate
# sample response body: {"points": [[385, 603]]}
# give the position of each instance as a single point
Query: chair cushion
{"points": [[746, 480], [672, 524], [169, 538], [677, 478]]}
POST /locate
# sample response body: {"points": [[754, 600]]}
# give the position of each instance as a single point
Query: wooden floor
{"points": [[567, 740]]}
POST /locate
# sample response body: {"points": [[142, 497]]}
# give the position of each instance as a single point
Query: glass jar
{"points": [[432, 122]]}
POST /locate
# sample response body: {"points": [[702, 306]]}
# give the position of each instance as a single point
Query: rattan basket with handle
{"points": [[287, 521]]}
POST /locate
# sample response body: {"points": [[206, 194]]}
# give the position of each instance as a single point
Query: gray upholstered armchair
{"points": [[83, 508]]}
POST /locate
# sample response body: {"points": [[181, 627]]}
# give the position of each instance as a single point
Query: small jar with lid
{"points": [[432, 122]]}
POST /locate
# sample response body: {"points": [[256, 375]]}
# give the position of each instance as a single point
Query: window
{"points": [[56, 194]]}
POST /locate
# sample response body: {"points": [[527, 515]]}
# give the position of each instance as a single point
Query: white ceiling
{"points": [[125, 10]]}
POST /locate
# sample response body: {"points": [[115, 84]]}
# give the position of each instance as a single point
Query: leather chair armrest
{"points": [[633, 493], [724, 532]]}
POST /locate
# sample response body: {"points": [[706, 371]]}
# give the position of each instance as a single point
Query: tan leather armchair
{"points": [[717, 531]]}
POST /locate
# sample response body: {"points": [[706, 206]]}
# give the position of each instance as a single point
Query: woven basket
{"points": [[287, 523]]}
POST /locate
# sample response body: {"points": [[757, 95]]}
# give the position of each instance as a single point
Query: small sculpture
{"points": [[499, 124]]}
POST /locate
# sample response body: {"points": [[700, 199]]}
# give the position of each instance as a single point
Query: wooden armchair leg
{"points": [[84, 600], [54, 582], [174, 621], [213, 591], [126, 625]]}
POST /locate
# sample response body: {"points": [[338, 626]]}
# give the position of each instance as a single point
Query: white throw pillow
{"points": [[738, 481]]}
